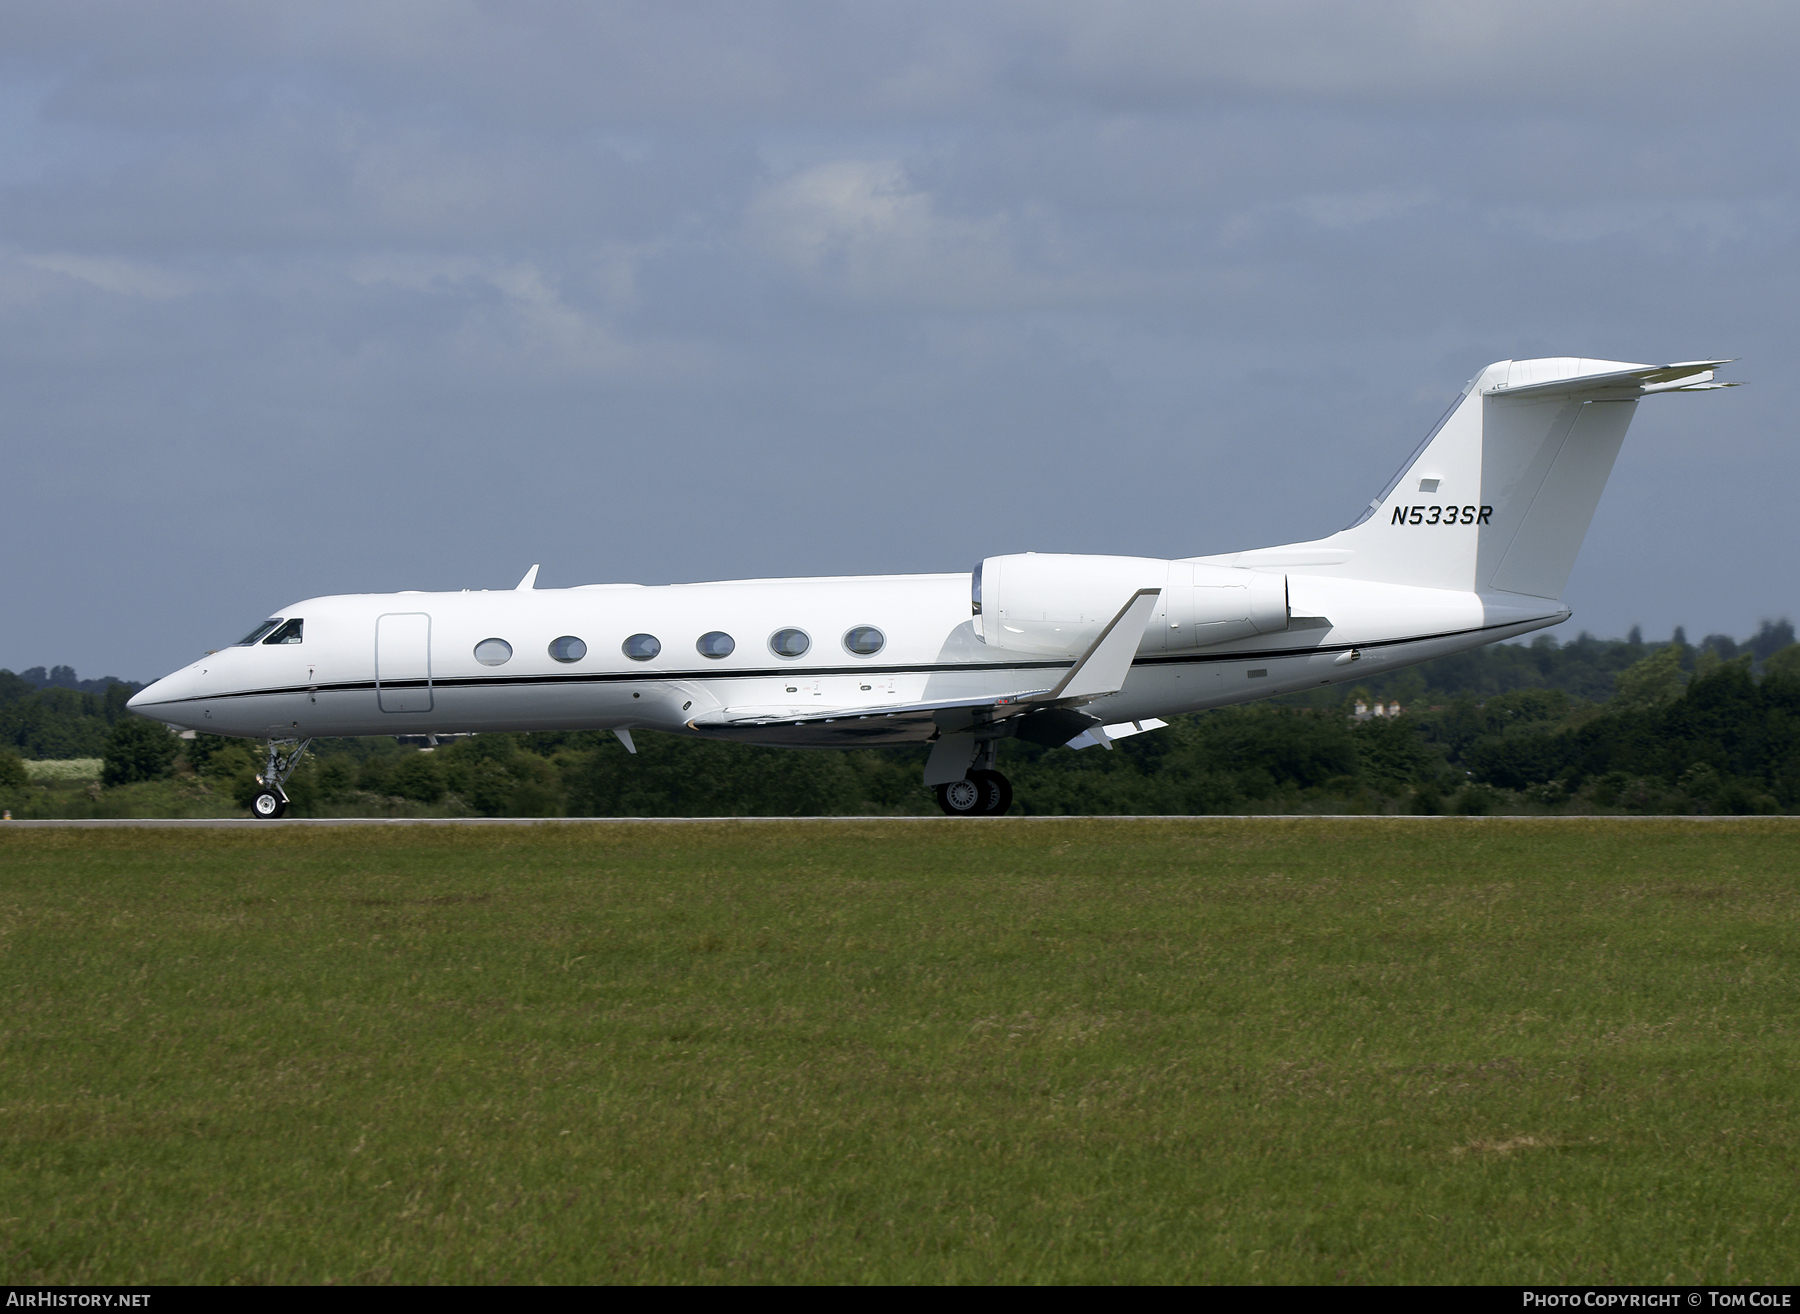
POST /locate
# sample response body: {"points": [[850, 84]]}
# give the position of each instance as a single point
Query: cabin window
{"points": [[288, 633], [716, 643], [642, 647], [789, 643], [864, 641], [493, 652], [257, 633], [568, 649]]}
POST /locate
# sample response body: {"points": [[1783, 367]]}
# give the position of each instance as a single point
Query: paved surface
{"points": [[211, 823]]}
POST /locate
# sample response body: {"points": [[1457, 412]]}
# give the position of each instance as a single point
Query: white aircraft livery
{"points": [[1472, 542]]}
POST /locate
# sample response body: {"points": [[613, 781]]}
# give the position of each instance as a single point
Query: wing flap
{"points": [[751, 717], [1104, 735]]}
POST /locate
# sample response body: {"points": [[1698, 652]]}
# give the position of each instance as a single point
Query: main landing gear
{"points": [[982, 791], [978, 794], [272, 800]]}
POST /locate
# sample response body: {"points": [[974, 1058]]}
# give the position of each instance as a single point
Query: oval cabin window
{"points": [[716, 643], [789, 643], [864, 641], [493, 652], [641, 647], [568, 648]]}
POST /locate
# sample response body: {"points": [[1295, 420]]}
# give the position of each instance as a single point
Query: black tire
{"points": [[268, 805], [962, 798], [996, 792]]}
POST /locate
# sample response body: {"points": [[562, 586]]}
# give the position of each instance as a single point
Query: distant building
{"points": [[1363, 711]]}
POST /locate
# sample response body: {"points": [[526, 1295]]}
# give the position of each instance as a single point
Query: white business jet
{"points": [[1472, 542]]}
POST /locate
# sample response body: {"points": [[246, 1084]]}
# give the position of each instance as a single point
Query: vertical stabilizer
{"points": [[1500, 494]]}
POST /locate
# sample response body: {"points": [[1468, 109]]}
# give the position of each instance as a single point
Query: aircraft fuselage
{"points": [[408, 663]]}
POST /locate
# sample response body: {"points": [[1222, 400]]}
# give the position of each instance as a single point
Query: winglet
{"points": [[1104, 666], [529, 582]]}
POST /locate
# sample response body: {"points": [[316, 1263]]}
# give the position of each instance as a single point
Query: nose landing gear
{"points": [[272, 800], [979, 794]]}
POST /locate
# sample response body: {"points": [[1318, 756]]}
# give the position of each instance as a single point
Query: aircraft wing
{"points": [[891, 723], [1099, 671]]}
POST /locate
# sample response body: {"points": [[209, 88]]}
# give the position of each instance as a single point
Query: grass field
{"points": [[1083, 1050]]}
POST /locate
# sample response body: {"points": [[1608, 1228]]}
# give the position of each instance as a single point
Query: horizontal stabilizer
{"points": [[1689, 376]]}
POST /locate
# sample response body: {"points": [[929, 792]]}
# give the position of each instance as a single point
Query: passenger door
{"points": [[403, 662]]}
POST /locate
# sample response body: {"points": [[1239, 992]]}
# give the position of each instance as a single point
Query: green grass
{"points": [[1083, 1050]]}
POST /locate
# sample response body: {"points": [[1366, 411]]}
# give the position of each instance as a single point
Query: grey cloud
{"points": [[1466, 58], [564, 65], [421, 294]]}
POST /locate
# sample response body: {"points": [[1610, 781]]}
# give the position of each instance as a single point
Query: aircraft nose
{"points": [[157, 691]]}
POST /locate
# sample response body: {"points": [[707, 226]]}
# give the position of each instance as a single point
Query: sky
{"points": [[325, 297]]}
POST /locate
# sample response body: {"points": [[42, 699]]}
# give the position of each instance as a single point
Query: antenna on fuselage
{"points": [[530, 580]]}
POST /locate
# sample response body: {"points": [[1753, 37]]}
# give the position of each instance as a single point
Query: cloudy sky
{"points": [[341, 297]]}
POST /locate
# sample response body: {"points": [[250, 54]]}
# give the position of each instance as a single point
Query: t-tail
{"points": [[1500, 494]]}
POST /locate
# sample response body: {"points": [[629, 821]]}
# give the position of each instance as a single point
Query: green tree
{"points": [[537, 789], [229, 765], [1390, 753], [12, 771], [335, 776], [1783, 664], [376, 775], [419, 777], [1652, 682], [136, 750]]}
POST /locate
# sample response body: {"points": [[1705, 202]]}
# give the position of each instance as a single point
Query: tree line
{"points": [[1587, 725]]}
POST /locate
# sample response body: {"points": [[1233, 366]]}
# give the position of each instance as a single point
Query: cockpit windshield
{"points": [[289, 633], [257, 633]]}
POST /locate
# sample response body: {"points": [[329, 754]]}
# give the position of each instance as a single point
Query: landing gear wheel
{"points": [[961, 798], [268, 805], [978, 794], [996, 792]]}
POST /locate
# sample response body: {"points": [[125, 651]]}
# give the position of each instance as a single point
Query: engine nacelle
{"points": [[1055, 604]]}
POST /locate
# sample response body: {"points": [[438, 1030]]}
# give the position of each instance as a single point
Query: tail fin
{"points": [[1500, 494]]}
